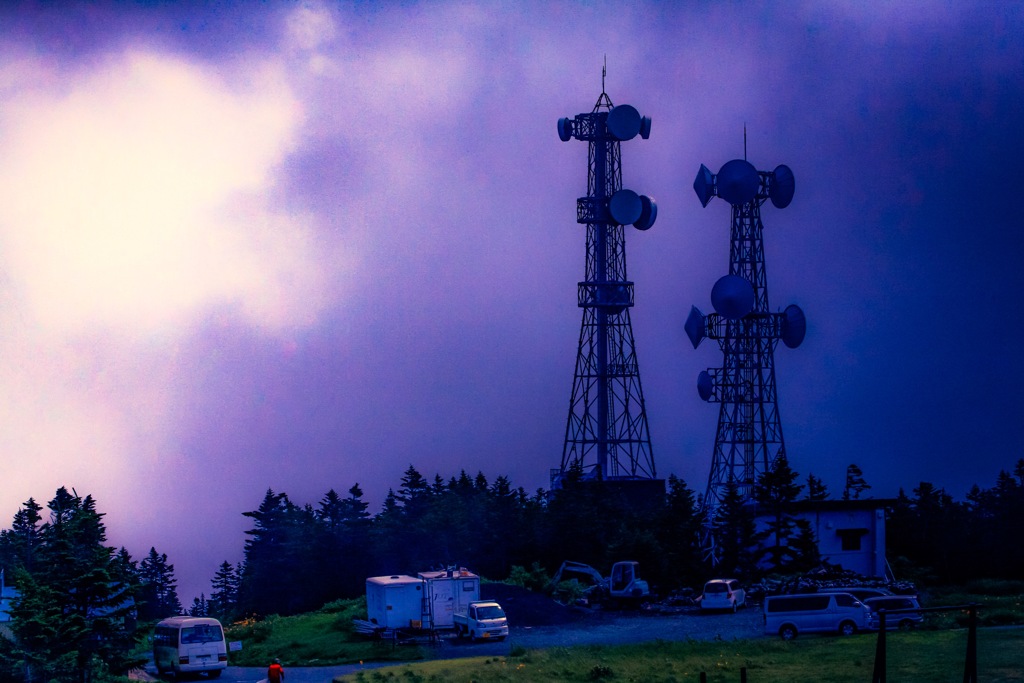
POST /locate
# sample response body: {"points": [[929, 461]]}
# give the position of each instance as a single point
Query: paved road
{"points": [[609, 629]]}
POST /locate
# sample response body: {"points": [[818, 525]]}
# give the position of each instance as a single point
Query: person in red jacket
{"points": [[275, 674]]}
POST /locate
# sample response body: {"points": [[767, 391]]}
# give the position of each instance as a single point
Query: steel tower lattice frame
{"points": [[749, 435], [606, 434], [749, 439]]}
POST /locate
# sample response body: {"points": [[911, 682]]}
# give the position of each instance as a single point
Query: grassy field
{"points": [[920, 657], [933, 653], [314, 639]]}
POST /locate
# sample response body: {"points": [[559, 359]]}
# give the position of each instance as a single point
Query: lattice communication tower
{"points": [[606, 435], [749, 437]]}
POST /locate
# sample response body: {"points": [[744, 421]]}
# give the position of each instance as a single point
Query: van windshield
{"points": [[201, 633]]}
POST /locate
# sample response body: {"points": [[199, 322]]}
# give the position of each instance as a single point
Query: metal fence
{"points": [[970, 659], [879, 674]]}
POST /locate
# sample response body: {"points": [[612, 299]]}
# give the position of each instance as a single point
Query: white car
{"points": [[723, 594]]}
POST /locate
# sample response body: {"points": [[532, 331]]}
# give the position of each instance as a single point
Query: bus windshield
{"points": [[202, 633]]}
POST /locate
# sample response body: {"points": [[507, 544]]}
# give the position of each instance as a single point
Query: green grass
{"points": [[317, 638], [1000, 603], [933, 653], [921, 656]]}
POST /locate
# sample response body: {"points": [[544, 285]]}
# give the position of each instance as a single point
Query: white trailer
{"points": [[449, 592], [394, 602]]}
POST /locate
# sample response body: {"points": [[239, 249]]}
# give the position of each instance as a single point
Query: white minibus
{"points": [[190, 645], [788, 615]]}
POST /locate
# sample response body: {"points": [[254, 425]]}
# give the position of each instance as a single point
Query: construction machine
{"points": [[587, 586]]}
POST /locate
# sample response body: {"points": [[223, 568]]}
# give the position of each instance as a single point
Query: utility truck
{"points": [[483, 619]]}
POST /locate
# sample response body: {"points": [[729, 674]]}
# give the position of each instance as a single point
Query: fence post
{"points": [[971, 661], [703, 677], [879, 674], [743, 674]]}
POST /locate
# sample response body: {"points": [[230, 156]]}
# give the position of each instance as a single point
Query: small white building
{"points": [[850, 533]]}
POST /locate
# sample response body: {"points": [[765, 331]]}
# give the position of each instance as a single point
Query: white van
{"points": [[190, 645], [788, 615]]}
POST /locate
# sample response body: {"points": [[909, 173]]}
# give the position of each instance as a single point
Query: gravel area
{"points": [[619, 628], [535, 621]]}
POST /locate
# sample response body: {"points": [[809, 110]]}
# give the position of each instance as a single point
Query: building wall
{"points": [[854, 539], [849, 533]]}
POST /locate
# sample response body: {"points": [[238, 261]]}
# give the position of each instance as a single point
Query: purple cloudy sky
{"points": [[301, 245]]}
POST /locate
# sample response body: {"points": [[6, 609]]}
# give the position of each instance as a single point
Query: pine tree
{"points": [[816, 488], [735, 533], [804, 544], [158, 587], [678, 529], [25, 537], [73, 616], [200, 608], [855, 484], [280, 573], [776, 491], [224, 597]]}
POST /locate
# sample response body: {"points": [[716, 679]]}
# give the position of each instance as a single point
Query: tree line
{"points": [[80, 600], [297, 557]]}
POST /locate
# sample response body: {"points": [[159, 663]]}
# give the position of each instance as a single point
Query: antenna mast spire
{"points": [[603, 100]]}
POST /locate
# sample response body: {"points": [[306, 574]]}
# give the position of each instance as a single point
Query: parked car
{"points": [[788, 615], [904, 621], [860, 592], [724, 594]]}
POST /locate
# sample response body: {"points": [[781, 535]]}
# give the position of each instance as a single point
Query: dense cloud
{"points": [[303, 246]]}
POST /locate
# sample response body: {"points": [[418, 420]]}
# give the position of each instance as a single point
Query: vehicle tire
{"points": [[787, 632], [472, 636], [734, 608], [847, 628], [906, 625]]}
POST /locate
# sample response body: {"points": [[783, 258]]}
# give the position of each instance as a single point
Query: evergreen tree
{"points": [[804, 544], [224, 596], [678, 531], [855, 484], [73, 616], [20, 545], [816, 488], [356, 547], [775, 491], [200, 608], [735, 533], [158, 588], [280, 572], [124, 569]]}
